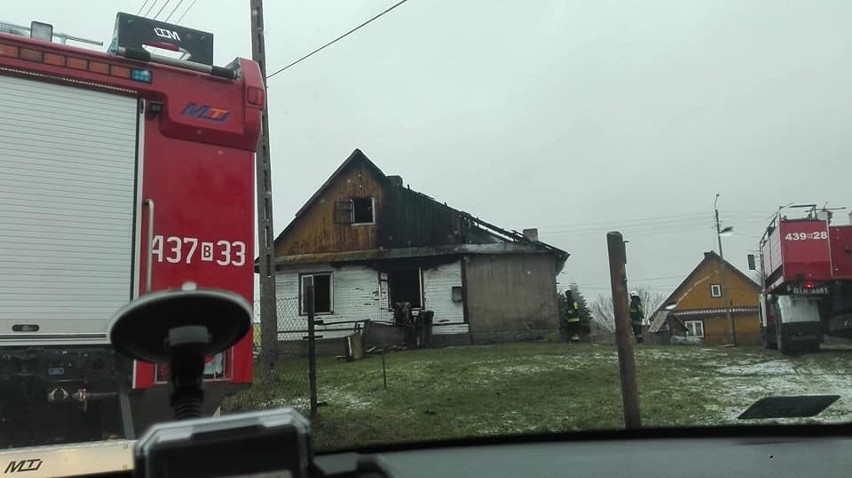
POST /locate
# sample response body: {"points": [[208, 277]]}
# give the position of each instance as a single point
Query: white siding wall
{"points": [[355, 297], [438, 286], [359, 295]]}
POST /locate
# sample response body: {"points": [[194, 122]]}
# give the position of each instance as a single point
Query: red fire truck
{"points": [[806, 266], [124, 172]]}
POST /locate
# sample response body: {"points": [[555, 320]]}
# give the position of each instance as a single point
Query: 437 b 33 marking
{"points": [[186, 250]]}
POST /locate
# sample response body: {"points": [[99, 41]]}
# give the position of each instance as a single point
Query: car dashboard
{"points": [[776, 451]]}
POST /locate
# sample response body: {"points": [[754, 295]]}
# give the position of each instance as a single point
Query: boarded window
{"points": [[405, 287], [363, 211], [343, 212], [715, 290], [323, 293], [694, 328]]}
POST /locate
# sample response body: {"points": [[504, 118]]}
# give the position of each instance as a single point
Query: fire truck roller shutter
{"points": [[67, 200]]}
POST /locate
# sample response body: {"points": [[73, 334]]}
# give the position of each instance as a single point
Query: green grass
{"points": [[536, 387]]}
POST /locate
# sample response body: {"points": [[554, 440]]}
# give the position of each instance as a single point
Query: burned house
{"points": [[366, 242]]}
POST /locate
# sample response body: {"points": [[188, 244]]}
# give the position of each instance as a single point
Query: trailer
{"points": [[806, 271], [124, 172]]}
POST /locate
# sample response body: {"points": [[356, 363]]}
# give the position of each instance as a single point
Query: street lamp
{"points": [[732, 337]]}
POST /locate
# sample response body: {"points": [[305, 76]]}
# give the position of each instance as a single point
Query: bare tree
{"points": [[651, 301], [602, 312], [604, 315]]}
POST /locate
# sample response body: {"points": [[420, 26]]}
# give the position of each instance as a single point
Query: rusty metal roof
{"points": [[664, 320]]}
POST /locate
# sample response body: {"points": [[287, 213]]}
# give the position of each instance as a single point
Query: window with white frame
{"points": [[694, 328], [323, 293], [716, 290]]}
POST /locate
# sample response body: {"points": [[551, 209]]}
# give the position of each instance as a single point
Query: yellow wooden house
{"points": [[699, 306]]}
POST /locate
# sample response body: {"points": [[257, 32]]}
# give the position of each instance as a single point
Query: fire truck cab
{"points": [[124, 172]]}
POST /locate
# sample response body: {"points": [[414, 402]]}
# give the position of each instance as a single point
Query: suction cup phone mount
{"points": [[181, 327]]}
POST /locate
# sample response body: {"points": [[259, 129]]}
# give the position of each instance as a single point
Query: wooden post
{"points": [[623, 330], [384, 369], [312, 352], [263, 184]]}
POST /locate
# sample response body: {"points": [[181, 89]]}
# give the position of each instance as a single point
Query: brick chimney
{"points": [[531, 234], [395, 180]]}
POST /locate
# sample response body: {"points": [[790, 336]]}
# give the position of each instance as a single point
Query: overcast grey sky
{"points": [[576, 117]]}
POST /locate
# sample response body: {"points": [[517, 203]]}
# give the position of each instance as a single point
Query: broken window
{"points": [[715, 290], [405, 286], [323, 293], [363, 211], [694, 328]]}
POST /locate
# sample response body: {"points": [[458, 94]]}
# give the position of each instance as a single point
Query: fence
{"points": [[287, 384], [666, 338]]}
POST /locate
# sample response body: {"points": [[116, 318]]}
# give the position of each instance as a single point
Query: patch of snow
{"points": [[773, 367], [343, 399], [486, 362], [299, 403]]}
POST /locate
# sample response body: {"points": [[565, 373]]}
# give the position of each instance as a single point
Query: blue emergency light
{"points": [[144, 76]]}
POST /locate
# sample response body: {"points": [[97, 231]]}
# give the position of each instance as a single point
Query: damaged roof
{"points": [[413, 224]]}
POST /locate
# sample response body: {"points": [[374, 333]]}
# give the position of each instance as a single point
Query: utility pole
{"points": [[265, 238], [623, 329], [732, 336]]}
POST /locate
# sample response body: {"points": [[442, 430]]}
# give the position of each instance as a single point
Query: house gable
{"points": [[324, 225], [695, 292], [406, 223]]}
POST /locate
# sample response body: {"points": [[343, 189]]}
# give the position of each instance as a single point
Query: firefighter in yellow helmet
{"points": [[571, 318]]}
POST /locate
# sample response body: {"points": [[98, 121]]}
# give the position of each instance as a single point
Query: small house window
{"points": [[457, 293], [715, 290], [323, 293], [694, 328], [363, 211]]}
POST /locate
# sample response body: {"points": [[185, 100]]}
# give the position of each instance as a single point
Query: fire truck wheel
{"points": [[770, 340], [810, 347], [785, 345]]}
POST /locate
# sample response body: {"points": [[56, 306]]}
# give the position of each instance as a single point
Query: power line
{"points": [[635, 230], [142, 7], [161, 8], [341, 37], [186, 11], [628, 225], [174, 10], [739, 215], [631, 227], [623, 221], [650, 289], [153, 4], [651, 279]]}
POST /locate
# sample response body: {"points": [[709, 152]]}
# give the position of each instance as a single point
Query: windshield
{"points": [[462, 219]]}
